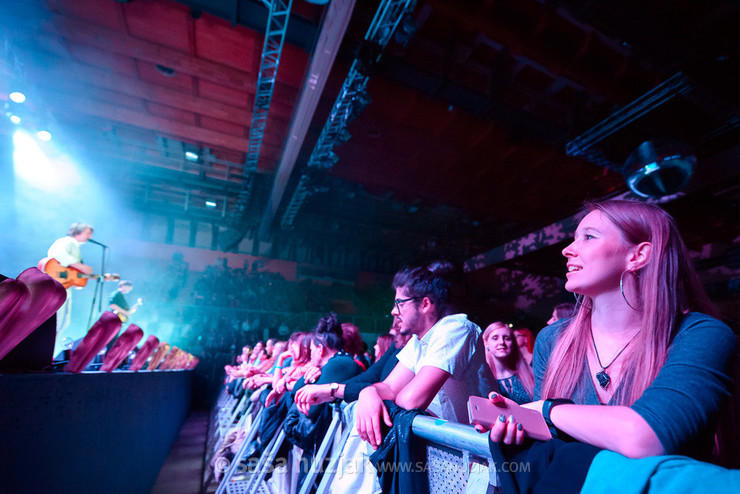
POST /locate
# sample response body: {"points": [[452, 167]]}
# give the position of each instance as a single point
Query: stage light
{"points": [[17, 97], [44, 135], [659, 168], [30, 162], [15, 119], [191, 156], [211, 204]]}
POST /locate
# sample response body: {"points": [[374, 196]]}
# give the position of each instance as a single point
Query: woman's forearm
{"points": [[616, 428]]}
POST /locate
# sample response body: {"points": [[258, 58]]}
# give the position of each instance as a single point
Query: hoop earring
{"points": [[621, 289]]}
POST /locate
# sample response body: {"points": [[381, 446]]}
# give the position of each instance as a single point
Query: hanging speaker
{"points": [[659, 168]]}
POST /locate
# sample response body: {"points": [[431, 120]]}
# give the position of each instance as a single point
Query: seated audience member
{"points": [[525, 342], [511, 371], [562, 311], [641, 342], [382, 345]]}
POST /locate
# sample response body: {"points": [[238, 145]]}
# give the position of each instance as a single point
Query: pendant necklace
{"points": [[604, 378]]}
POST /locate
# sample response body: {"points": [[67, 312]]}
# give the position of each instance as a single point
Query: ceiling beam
{"points": [[332, 32], [529, 45]]}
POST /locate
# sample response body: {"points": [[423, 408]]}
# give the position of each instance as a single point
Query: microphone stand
{"points": [[98, 293]]}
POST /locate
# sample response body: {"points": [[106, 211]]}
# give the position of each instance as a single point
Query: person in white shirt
{"points": [[441, 366], [66, 251]]}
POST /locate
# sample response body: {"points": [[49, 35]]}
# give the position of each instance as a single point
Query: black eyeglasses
{"points": [[400, 301]]}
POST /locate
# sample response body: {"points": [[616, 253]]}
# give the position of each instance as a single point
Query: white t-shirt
{"points": [[66, 251], [455, 345]]}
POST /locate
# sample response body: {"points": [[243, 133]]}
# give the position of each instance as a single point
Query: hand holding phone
{"points": [[485, 412]]}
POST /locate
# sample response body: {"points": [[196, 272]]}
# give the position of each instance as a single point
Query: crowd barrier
{"points": [[458, 459]]}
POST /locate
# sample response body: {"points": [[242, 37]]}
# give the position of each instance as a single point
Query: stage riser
{"points": [[90, 432]]}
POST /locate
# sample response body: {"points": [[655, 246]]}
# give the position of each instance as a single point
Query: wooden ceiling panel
{"points": [[533, 78], [473, 78], [484, 53], [568, 94], [562, 35], [429, 57], [136, 48], [238, 47], [150, 73], [170, 113], [466, 131], [223, 126], [163, 23], [293, 66], [238, 98], [105, 14], [284, 98], [601, 58], [231, 155], [391, 101], [428, 116], [99, 58]]}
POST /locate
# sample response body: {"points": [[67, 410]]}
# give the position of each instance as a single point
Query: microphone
{"points": [[98, 243]]}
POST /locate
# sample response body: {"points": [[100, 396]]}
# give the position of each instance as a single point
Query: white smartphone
{"points": [[485, 412]]}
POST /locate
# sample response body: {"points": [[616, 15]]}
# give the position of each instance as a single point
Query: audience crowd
{"points": [[607, 376]]}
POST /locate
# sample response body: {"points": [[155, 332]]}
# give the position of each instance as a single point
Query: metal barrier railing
{"points": [[456, 453], [458, 457]]}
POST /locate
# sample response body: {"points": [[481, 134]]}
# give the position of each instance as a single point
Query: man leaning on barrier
{"points": [[441, 366]]}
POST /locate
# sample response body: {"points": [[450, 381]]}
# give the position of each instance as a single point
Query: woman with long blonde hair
{"points": [[642, 341], [511, 370]]}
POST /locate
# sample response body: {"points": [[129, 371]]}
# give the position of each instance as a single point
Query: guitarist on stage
{"points": [[66, 251], [117, 301]]}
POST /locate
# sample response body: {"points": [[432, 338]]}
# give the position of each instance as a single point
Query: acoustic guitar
{"points": [[69, 276], [123, 317]]}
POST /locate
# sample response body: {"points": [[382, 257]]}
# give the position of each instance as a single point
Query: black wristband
{"points": [[547, 407]]}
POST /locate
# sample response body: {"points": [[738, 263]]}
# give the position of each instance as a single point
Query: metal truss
{"points": [[350, 102], [277, 26], [584, 144], [299, 195]]}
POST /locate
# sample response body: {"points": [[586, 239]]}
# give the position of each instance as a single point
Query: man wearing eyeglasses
{"points": [[443, 363], [438, 369]]}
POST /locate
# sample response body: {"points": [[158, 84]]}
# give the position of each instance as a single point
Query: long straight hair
{"points": [[304, 351], [668, 288], [521, 367]]}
